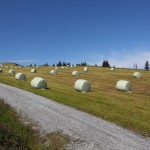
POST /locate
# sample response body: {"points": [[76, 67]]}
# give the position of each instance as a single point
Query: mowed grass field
{"points": [[129, 110]]}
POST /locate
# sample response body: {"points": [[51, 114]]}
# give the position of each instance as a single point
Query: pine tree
{"points": [[59, 63], [105, 63], [68, 64], [147, 65], [136, 66]]}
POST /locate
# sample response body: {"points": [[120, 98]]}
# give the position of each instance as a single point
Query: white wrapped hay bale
{"points": [[137, 74], [112, 69], [11, 72], [123, 85], [33, 71], [53, 72], [82, 85], [6, 67], [85, 69], [75, 73], [39, 83], [20, 76], [1, 70]]}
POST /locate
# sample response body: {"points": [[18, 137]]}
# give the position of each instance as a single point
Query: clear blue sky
{"points": [[46, 31]]}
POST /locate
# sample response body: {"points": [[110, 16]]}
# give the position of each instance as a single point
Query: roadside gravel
{"points": [[86, 131]]}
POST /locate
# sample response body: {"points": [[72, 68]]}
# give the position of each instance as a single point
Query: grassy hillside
{"points": [[9, 64], [129, 110]]}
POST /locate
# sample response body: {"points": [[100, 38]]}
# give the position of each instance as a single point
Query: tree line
{"points": [[105, 63]]}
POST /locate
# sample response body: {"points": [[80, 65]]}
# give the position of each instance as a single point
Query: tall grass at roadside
{"points": [[15, 135]]}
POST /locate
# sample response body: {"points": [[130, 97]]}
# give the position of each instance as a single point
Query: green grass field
{"points": [[129, 110]]}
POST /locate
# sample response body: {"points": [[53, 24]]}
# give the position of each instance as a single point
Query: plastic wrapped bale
{"points": [[75, 73], [1, 70], [123, 85], [39, 83], [82, 85], [20, 76], [85, 69], [11, 72], [137, 74], [112, 69], [53, 72], [33, 71]]}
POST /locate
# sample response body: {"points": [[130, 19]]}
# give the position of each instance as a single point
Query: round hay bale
{"points": [[82, 85], [53, 72], [137, 74], [11, 72], [20, 76], [39, 83], [85, 69], [33, 71], [112, 69], [123, 85], [1, 70], [75, 73]]}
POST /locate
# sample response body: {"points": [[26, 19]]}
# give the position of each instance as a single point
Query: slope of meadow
{"points": [[129, 110]]}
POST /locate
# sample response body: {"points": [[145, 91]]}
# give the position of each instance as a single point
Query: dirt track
{"points": [[92, 133]]}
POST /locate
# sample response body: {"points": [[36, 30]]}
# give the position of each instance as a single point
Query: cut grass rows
{"points": [[129, 110]]}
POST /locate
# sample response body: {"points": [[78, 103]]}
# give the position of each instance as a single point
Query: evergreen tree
{"points": [[59, 63], [68, 64], [46, 64], [105, 63], [64, 63], [136, 66], [83, 64], [147, 65]]}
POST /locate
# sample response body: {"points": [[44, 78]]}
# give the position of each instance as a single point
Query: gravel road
{"points": [[92, 132]]}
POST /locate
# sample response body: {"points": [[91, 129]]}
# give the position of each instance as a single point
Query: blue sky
{"points": [[46, 31]]}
